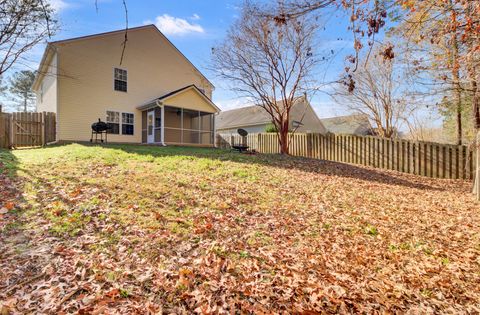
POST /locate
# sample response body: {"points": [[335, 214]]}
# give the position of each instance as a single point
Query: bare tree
{"points": [[378, 94], [23, 24], [367, 19], [269, 62]]}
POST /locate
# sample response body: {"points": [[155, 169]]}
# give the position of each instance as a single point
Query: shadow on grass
{"points": [[279, 161], [314, 166], [8, 163], [10, 192]]}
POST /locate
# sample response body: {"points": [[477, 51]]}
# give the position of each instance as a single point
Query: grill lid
{"points": [[100, 126]]}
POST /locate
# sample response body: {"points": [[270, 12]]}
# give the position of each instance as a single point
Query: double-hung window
{"points": [[127, 124], [113, 121], [120, 80]]}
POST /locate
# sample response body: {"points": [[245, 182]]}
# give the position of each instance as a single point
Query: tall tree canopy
{"points": [[21, 89], [444, 36]]}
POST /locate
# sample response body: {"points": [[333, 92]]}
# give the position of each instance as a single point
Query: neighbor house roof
{"points": [[256, 115], [358, 124], [49, 50], [242, 117], [153, 103]]}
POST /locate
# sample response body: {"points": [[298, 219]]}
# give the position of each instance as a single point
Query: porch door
{"points": [[151, 127]]}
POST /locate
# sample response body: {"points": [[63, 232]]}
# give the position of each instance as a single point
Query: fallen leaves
{"points": [[131, 229]]}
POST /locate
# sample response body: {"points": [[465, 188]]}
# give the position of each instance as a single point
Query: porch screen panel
{"points": [[173, 124], [158, 125], [206, 136], [144, 127], [186, 126], [191, 126]]}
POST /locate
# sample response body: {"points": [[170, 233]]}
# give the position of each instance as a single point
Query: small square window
{"points": [[120, 80]]}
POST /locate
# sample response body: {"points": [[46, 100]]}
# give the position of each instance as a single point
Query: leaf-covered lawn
{"points": [[130, 229]]}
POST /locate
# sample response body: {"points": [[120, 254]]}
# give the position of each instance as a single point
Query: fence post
{"points": [[12, 143], [309, 145], [477, 177], [43, 135]]}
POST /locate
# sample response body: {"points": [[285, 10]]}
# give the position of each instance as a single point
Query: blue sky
{"points": [[194, 26]]}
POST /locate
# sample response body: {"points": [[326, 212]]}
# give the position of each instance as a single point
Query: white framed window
{"points": [[120, 122], [120, 80], [113, 120], [128, 120]]}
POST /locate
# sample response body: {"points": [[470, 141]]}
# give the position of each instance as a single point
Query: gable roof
{"points": [[357, 124], [153, 103], [241, 117], [256, 115], [50, 49]]}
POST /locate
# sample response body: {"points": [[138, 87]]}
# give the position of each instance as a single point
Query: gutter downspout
{"points": [[160, 104]]}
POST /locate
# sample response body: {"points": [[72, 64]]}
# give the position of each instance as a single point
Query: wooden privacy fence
{"points": [[26, 129], [421, 158]]}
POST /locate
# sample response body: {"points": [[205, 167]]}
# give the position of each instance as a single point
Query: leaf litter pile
{"points": [[130, 229]]}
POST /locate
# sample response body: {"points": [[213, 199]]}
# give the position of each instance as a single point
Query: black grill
{"points": [[100, 128]]}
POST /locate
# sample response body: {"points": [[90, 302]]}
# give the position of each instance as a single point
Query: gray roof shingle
{"points": [[357, 124], [256, 115]]}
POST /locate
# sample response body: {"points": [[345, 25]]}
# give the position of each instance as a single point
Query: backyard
{"points": [[137, 229]]}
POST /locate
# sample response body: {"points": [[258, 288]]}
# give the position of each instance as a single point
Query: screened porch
{"points": [[177, 126]]}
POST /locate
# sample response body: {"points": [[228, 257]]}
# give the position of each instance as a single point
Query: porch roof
{"points": [[154, 103]]}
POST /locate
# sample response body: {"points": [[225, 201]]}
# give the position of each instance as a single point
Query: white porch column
{"points": [[163, 125], [214, 116]]}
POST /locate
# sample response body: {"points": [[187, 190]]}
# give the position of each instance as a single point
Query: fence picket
{"points": [[26, 129], [421, 158]]}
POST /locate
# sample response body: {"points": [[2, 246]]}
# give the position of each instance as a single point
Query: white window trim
{"points": [[120, 121], [113, 81]]}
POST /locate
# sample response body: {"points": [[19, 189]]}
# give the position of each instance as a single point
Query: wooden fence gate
{"points": [[26, 129], [415, 157]]}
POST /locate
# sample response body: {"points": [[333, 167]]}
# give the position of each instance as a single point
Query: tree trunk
{"points": [[283, 138], [476, 105], [457, 93], [459, 122], [476, 126]]}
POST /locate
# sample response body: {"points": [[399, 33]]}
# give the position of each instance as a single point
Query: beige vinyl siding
{"points": [[190, 99], [48, 102], [86, 84]]}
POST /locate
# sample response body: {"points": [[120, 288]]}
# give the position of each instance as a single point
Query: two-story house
{"points": [[154, 94]]}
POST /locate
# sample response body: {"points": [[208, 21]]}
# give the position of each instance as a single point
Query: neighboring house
{"points": [[352, 125], [156, 95], [255, 119]]}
